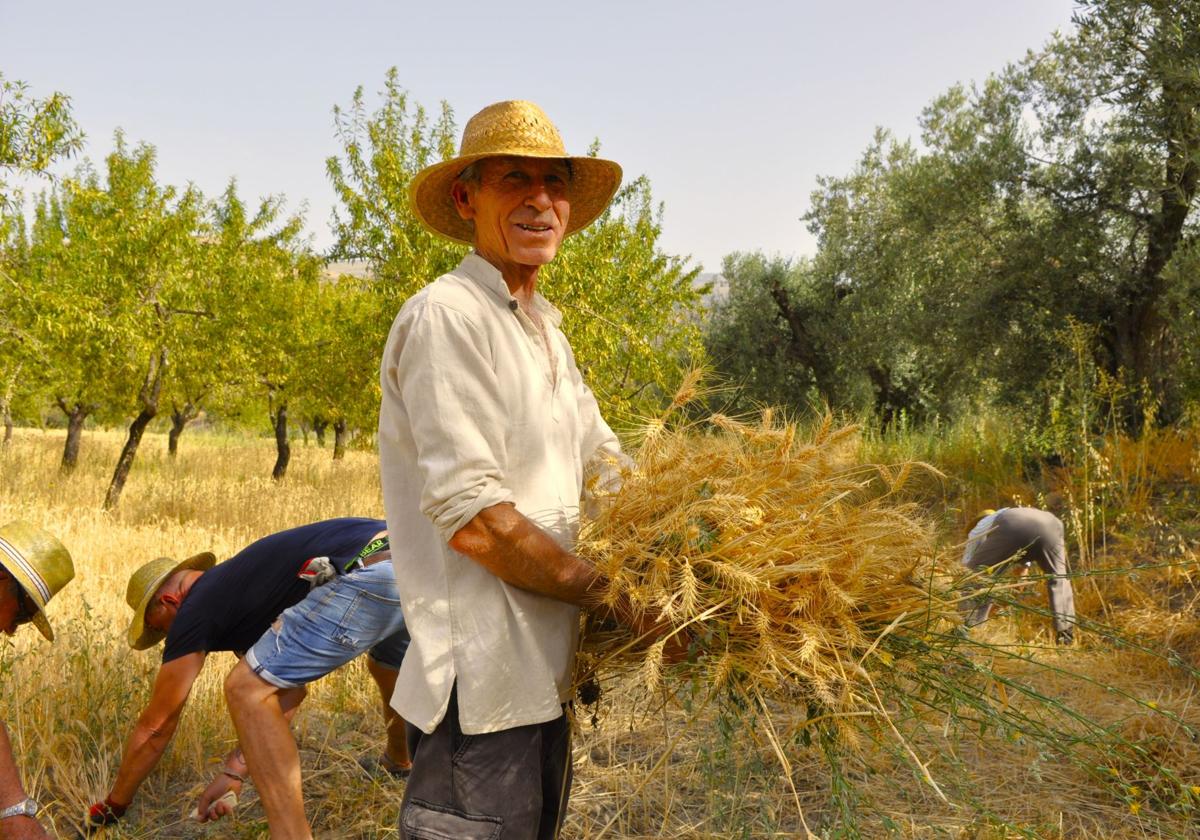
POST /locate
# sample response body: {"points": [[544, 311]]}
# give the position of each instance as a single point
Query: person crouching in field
{"points": [[1020, 537], [298, 604], [33, 566]]}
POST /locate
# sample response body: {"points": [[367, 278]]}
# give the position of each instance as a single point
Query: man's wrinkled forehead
{"points": [[559, 166]]}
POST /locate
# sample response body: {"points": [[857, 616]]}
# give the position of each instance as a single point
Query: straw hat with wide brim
{"points": [[142, 586], [39, 563], [519, 129]]}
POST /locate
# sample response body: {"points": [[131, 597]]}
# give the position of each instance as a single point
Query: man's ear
{"points": [[170, 599], [461, 194]]}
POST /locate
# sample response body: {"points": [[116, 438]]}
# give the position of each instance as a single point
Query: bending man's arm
{"points": [[11, 792], [156, 725]]}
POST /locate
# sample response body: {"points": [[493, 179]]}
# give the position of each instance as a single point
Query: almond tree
{"points": [[115, 283], [241, 253], [34, 133], [341, 382], [273, 276]]}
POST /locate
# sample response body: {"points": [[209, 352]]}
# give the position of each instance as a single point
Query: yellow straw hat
{"points": [[519, 129], [40, 564], [142, 586]]}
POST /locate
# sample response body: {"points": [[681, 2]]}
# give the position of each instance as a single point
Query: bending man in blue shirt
{"points": [[298, 604]]}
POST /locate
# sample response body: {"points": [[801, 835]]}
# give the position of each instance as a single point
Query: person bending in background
{"points": [[33, 567], [298, 604], [1017, 538]]}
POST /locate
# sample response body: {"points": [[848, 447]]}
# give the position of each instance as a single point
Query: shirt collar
{"points": [[489, 278]]}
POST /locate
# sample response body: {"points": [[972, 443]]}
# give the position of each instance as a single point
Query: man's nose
{"points": [[539, 197]]}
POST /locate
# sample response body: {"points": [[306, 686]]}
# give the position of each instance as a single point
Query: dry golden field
{"points": [[639, 773]]}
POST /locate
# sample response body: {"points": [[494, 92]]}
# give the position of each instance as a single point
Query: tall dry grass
{"points": [[716, 770], [799, 566], [71, 704]]}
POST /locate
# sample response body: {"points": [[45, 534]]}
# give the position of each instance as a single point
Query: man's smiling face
{"points": [[520, 207]]}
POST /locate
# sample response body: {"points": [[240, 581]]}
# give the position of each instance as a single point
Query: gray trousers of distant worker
{"points": [[1027, 535]]}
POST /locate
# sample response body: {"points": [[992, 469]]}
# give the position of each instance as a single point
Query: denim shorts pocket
{"points": [[427, 821], [347, 631], [311, 606]]}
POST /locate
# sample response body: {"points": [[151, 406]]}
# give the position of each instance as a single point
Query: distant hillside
{"points": [[355, 268], [719, 290]]}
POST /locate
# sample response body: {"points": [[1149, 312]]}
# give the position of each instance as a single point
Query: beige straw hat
{"points": [[40, 564], [142, 586], [519, 129]]}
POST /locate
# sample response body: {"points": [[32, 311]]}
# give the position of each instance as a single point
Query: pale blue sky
{"points": [[731, 108]]}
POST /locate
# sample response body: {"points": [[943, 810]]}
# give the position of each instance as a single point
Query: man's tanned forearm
{"points": [[513, 548], [510, 546]]}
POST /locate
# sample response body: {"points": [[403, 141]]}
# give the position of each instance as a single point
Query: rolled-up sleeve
{"points": [[445, 376]]}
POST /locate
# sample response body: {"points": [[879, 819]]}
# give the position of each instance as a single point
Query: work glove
{"points": [[102, 814], [317, 571]]}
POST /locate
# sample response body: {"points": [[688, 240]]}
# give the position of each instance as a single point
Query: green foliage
{"points": [[381, 152], [111, 277], [33, 133], [774, 336], [1064, 187], [257, 288], [343, 336], [629, 310], [138, 293]]}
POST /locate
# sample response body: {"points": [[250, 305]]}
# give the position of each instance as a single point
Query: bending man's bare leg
{"points": [[258, 711], [397, 746]]}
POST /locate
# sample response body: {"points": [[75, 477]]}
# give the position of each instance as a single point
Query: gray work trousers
{"points": [[1024, 535], [507, 785]]}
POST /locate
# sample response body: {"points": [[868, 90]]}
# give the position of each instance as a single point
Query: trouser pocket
{"points": [[423, 820]]}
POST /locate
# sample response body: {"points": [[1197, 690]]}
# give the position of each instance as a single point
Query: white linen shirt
{"points": [[475, 412]]}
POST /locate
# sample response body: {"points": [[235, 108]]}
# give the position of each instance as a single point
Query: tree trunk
{"points": [[76, 414], [282, 447], [339, 440], [6, 408], [151, 388], [136, 429], [1147, 338], [801, 346], [319, 425], [180, 417]]}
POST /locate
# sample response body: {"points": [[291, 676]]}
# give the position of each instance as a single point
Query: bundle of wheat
{"points": [[789, 563]]}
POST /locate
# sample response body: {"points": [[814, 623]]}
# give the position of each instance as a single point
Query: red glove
{"points": [[104, 813]]}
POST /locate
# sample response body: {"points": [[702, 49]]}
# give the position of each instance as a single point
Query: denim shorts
{"points": [[352, 613]]}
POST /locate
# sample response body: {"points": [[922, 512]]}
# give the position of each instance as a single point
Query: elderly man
{"points": [[33, 567], [298, 604], [488, 440], [1020, 537]]}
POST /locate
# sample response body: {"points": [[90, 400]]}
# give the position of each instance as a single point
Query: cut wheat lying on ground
{"points": [[994, 726]]}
